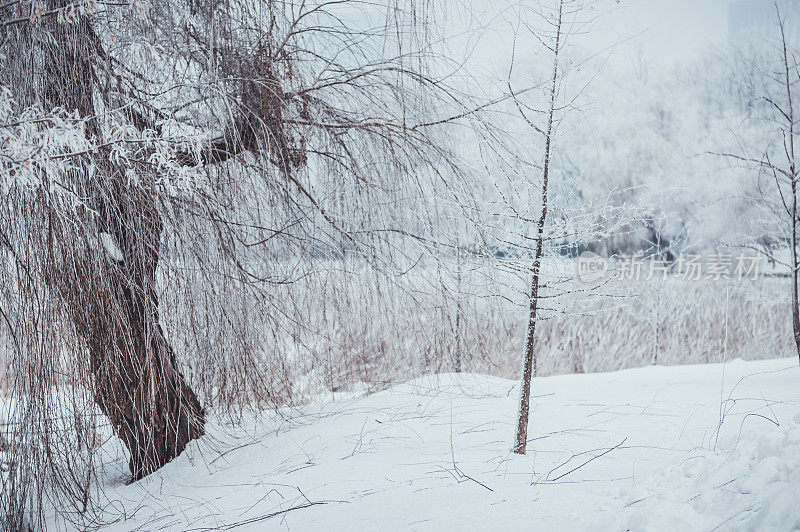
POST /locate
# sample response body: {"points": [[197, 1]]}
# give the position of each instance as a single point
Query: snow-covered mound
{"points": [[659, 448]]}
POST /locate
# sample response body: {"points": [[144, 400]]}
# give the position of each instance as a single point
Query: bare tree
{"points": [[776, 163], [151, 149], [544, 215], [529, 365]]}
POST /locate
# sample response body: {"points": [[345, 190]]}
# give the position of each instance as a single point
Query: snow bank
{"points": [[658, 448]]}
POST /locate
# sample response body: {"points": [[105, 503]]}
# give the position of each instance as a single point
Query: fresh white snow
{"points": [[714, 447]]}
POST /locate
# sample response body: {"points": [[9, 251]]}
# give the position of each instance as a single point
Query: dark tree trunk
{"points": [[111, 296], [138, 384], [529, 366], [795, 266]]}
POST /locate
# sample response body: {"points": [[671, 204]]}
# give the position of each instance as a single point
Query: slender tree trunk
{"points": [[529, 368], [112, 300], [793, 172], [795, 303]]}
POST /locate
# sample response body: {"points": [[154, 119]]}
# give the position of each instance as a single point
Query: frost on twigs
{"points": [[49, 150], [177, 184]]}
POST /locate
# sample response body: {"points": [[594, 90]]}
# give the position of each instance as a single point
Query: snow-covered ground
{"points": [[713, 447]]}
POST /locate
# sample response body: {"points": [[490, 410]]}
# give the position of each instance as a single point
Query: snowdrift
{"points": [[659, 448]]}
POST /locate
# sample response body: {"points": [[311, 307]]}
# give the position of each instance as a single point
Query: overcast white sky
{"points": [[660, 33], [672, 30], [666, 31]]}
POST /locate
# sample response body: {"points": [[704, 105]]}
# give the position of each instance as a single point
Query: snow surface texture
{"points": [[714, 447]]}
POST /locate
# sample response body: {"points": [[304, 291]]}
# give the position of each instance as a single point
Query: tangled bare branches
{"points": [[165, 167]]}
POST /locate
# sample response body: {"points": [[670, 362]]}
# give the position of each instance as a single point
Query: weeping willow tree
{"points": [[164, 167]]}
